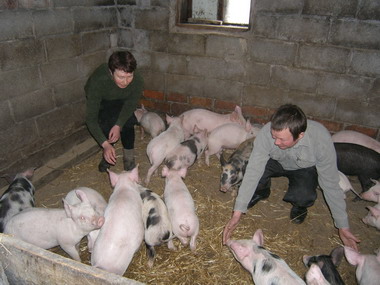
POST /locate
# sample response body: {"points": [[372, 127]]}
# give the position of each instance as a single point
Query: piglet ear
{"points": [[258, 237], [182, 172], [374, 211], [81, 195], [134, 174], [337, 255], [222, 159], [353, 257], [113, 177], [68, 208]]}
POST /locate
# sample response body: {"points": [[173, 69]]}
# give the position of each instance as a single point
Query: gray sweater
{"points": [[314, 149]]}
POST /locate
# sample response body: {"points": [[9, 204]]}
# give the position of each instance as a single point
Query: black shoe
{"points": [[103, 165], [258, 196], [298, 214]]}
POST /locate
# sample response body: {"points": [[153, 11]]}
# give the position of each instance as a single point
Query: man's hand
{"points": [[231, 226], [114, 134], [109, 153], [348, 238]]}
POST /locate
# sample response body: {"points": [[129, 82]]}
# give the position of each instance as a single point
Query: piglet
{"points": [[233, 169], [164, 143], [314, 276], [328, 265], [373, 216], [181, 207], [48, 228], [150, 122], [123, 229], [158, 228], [97, 202], [208, 120], [264, 266], [367, 266], [18, 197], [348, 136], [186, 153], [373, 193], [228, 136]]}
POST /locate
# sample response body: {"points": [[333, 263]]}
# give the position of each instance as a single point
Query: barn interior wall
{"points": [[323, 55]]}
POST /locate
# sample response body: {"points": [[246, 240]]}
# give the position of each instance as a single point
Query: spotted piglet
{"points": [[18, 197], [187, 152], [158, 228], [181, 207], [328, 264], [264, 266]]}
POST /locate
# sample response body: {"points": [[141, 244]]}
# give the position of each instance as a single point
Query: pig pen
{"points": [[213, 263]]}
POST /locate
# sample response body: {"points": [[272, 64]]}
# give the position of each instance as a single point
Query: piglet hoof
{"points": [[234, 193]]}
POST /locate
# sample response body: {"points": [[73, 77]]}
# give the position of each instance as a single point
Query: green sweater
{"points": [[100, 86]]}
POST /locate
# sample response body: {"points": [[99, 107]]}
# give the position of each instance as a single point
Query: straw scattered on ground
{"points": [[213, 263]]}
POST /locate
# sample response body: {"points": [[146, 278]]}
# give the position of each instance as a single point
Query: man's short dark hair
{"points": [[289, 116], [122, 60]]}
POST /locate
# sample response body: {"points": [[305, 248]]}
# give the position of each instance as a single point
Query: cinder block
{"points": [[154, 80], [6, 118], [159, 41], [21, 54], [323, 58], [187, 44], [154, 18], [32, 104], [272, 51], [126, 16], [184, 84], [15, 25], [169, 63], [337, 8], [355, 33], [303, 29], [67, 69], [63, 46], [52, 22], [88, 63], [96, 41], [30, 82], [226, 47], [212, 67], [70, 92], [360, 113], [297, 79], [257, 73], [125, 38], [344, 86], [284, 6], [264, 25], [268, 97], [223, 90], [320, 107], [366, 63], [87, 19], [369, 10]]}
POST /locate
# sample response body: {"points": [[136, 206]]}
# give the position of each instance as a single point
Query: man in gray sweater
{"points": [[301, 150]]}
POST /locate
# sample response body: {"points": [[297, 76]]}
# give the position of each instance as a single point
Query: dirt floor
{"points": [[212, 263]]}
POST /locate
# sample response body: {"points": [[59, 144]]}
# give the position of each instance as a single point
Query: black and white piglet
{"points": [[328, 264], [158, 228], [18, 197]]}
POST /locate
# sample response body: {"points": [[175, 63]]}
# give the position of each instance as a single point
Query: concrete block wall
{"points": [[322, 55], [47, 50]]}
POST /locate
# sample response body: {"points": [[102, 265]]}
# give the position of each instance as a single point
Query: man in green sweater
{"points": [[301, 150], [113, 92]]}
